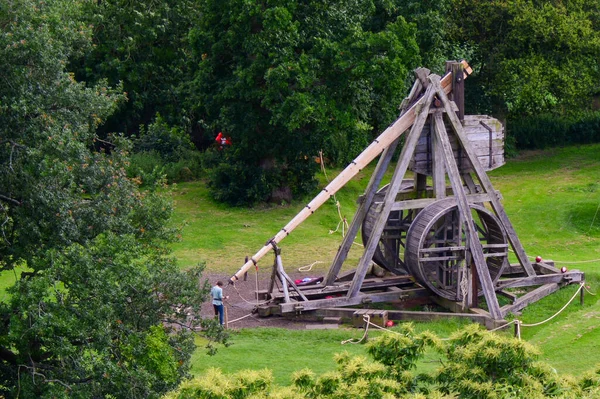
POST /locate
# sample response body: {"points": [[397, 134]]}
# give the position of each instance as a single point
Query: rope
{"points": [[244, 299], [240, 318], [366, 318], [557, 313], [343, 222], [519, 323], [588, 291], [308, 268]]}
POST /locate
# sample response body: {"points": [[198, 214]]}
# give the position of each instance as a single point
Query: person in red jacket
{"points": [[222, 141]]}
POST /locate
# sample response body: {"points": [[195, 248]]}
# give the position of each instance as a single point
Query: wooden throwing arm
{"points": [[371, 152]]}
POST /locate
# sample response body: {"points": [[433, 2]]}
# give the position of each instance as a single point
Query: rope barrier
{"points": [[588, 291], [517, 322], [366, 318], [240, 318], [557, 313]]}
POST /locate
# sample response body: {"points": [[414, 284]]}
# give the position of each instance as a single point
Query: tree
{"points": [[530, 56], [96, 294], [143, 45], [285, 79]]}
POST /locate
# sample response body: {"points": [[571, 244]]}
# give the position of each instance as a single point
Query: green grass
{"points": [[287, 351], [223, 236], [551, 197]]}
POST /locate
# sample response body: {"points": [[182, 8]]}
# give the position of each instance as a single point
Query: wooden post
{"points": [[421, 185], [422, 110], [226, 317], [487, 187], [437, 166], [474, 287], [473, 243], [582, 294], [458, 89], [360, 214]]}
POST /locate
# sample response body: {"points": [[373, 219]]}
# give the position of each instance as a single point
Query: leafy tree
{"points": [[284, 79], [530, 56], [143, 45], [96, 294]]}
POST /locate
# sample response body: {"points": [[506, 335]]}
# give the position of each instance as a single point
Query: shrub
{"points": [[164, 152], [547, 130]]}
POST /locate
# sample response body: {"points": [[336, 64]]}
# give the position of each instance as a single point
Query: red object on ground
{"points": [[389, 323], [538, 259], [563, 269], [218, 138]]}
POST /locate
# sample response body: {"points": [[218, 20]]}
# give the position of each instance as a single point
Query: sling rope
{"points": [[343, 221], [257, 303]]}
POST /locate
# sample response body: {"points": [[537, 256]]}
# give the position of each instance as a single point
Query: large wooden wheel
{"points": [[436, 244], [389, 253]]}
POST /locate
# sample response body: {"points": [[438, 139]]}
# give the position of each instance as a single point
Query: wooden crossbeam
{"points": [[401, 168]]}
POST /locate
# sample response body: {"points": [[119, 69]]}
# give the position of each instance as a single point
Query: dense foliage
{"points": [[473, 364], [285, 79], [95, 287], [530, 56], [143, 45]]}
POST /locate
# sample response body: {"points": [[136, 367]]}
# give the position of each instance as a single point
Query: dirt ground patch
{"points": [[242, 301]]}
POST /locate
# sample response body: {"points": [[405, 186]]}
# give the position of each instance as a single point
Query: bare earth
{"points": [[241, 302]]}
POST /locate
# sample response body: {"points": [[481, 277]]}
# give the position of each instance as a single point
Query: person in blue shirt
{"points": [[216, 293]]}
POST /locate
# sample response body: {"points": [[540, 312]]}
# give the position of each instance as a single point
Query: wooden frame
{"points": [[449, 155]]}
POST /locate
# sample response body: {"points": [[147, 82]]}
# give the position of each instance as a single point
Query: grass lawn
{"points": [[286, 351], [552, 198]]}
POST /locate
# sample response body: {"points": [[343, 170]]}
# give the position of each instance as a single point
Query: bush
{"points": [[547, 130], [474, 364], [164, 152], [240, 183]]}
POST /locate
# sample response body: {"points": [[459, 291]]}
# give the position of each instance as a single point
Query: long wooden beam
{"points": [[371, 152]]}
